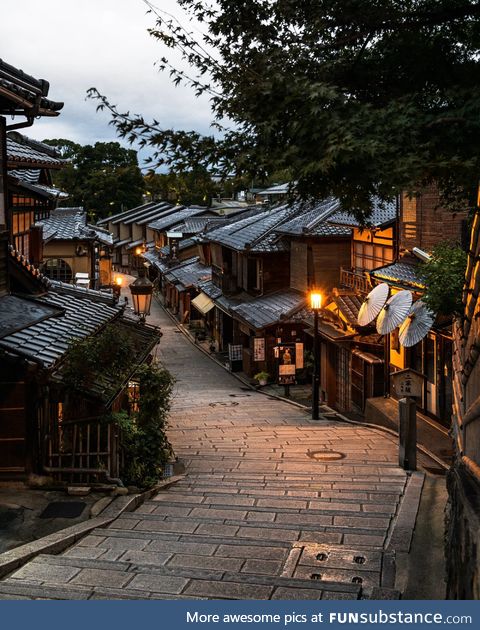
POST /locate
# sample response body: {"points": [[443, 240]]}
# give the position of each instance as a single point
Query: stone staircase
{"points": [[233, 535]]}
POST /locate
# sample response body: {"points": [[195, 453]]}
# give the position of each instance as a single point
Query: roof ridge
{"points": [[333, 207], [272, 228]]}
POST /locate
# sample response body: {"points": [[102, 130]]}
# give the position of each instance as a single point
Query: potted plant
{"points": [[262, 377]]}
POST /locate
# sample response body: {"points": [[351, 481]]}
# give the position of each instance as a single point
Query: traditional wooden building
{"points": [[75, 251], [46, 427], [32, 196], [132, 234]]}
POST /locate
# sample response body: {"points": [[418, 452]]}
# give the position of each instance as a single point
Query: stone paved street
{"points": [[273, 505]]}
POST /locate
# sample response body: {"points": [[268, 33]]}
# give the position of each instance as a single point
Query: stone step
{"points": [[335, 529], [134, 578], [196, 493], [303, 560], [346, 502], [306, 480]]}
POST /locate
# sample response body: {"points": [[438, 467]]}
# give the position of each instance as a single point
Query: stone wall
{"points": [[462, 536]]}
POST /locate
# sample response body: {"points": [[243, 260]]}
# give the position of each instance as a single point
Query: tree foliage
{"points": [[354, 98], [444, 275], [194, 187], [104, 178]]}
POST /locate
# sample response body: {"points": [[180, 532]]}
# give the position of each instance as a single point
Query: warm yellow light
{"points": [[119, 281], [315, 300], [138, 251]]}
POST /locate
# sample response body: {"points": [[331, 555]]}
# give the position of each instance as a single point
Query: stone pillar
{"points": [[407, 447]]}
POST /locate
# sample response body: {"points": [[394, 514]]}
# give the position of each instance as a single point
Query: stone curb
{"points": [[338, 416], [404, 524], [58, 541]]}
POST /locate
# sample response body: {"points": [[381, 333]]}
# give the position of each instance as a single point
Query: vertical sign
{"points": [[299, 355], [259, 348]]}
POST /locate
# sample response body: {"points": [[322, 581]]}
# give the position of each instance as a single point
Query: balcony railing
{"points": [[354, 280]]}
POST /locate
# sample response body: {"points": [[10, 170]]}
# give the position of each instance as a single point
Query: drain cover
{"points": [[63, 509], [325, 456]]}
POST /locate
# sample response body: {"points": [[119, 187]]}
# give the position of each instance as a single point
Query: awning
{"points": [[203, 303]]}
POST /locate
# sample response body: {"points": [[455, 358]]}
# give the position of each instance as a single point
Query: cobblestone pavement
{"points": [[273, 505]]}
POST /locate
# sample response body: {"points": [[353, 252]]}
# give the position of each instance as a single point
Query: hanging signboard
{"points": [[286, 363], [259, 349]]}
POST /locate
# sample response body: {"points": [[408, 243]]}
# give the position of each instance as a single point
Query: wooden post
{"points": [[407, 447]]}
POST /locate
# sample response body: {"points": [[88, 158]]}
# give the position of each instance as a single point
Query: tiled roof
{"points": [[176, 216], [189, 273], [17, 313], [269, 309], [26, 267], [256, 233], [30, 175], [50, 192], [400, 273], [148, 214], [28, 153], [194, 225], [127, 213], [210, 289], [312, 220], [383, 213], [278, 189], [66, 224], [47, 341], [20, 91], [106, 297], [183, 244], [349, 305]]}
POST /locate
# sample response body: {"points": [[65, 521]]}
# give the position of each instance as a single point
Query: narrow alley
{"points": [[273, 505]]}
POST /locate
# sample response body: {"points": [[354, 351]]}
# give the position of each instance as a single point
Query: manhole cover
{"points": [[325, 456], [63, 509]]}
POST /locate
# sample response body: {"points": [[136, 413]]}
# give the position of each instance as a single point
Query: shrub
{"points": [[444, 276]]}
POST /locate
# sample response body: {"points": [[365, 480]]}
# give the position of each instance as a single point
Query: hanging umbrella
{"points": [[394, 312], [416, 326], [373, 304]]}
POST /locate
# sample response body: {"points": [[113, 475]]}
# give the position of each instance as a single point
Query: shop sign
{"points": [[259, 348]]}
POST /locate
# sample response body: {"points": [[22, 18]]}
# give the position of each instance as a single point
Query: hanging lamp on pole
{"points": [[316, 305], [142, 291]]}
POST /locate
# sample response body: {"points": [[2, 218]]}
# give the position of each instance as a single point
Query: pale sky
{"points": [[77, 44]]}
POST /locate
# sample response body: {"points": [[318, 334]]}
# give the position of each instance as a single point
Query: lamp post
{"points": [[117, 286], [141, 290], [316, 305]]}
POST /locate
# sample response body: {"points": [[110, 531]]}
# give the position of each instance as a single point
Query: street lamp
{"points": [[316, 305], [117, 286], [141, 290]]}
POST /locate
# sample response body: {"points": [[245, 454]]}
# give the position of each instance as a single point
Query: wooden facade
{"points": [[424, 222], [463, 517]]}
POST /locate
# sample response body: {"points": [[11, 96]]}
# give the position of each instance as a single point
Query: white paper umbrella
{"points": [[416, 326], [394, 312], [373, 304]]}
